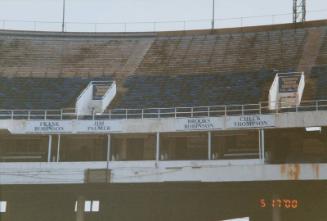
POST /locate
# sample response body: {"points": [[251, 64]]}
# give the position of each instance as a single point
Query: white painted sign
{"points": [[194, 124], [140, 126], [47, 127], [250, 121], [98, 126]]}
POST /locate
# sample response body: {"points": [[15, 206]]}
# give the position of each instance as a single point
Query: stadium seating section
{"points": [[192, 68], [39, 93]]}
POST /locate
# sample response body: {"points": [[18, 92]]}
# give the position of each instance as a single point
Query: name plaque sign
{"points": [[202, 124], [98, 126], [48, 127], [250, 121]]}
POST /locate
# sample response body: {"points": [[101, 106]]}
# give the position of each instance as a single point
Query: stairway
{"points": [[96, 97], [286, 90], [99, 90]]}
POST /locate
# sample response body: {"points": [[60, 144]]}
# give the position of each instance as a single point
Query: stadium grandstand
{"points": [[183, 125]]}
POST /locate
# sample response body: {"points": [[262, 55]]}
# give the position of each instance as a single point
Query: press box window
{"points": [[3, 206], [90, 206]]}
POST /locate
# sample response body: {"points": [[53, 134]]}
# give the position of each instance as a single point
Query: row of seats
{"points": [[319, 75], [195, 90], [236, 52], [55, 56], [40, 93], [322, 56], [146, 91]]}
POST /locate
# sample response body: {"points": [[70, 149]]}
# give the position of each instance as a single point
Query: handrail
{"points": [[167, 112], [244, 21]]}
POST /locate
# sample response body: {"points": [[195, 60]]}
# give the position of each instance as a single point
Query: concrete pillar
{"points": [[108, 147], [80, 208], [49, 148], [158, 147], [276, 211], [58, 148], [262, 145], [209, 145], [123, 152]]}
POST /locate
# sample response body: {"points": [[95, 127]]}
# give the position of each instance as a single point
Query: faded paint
{"points": [[280, 120], [291, 171], [156, 172], [316, 170]]}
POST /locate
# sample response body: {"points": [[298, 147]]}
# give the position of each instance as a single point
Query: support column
{"points": [[49, 148], [209, 145], [58, 148], [261, 145], [80, 208], [158, 147], [276, 211], [108, 149]]}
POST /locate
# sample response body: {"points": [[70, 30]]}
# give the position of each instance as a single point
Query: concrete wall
{"points": [[156, 172], [276, 120]]}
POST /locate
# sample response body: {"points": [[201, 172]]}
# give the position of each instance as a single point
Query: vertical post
{"points": [[49, 148], [276, 211], [58, 148], [304, 10], [80, 208], [262, 145], [108, 149], [259, 139], [213, 15], [317, 106], [63, 15], [209, 145], [158, 147]]}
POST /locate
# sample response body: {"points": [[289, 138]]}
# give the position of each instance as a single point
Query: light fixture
{"points": [[312, 129]]}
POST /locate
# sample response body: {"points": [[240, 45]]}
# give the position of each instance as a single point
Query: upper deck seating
{"points": [[40, 93], [42, 55], [191, 68], [226, 52]]}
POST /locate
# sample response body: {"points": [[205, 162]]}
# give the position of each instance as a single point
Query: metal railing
{"points": [[153, 26], [155, 113]]}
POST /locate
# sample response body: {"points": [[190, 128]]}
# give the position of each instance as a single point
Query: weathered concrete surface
{"points": [[155, 172], [277, 120]]}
